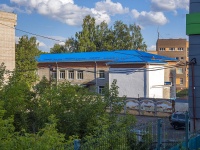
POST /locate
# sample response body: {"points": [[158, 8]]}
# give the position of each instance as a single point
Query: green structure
{"points": [[193, 31]]}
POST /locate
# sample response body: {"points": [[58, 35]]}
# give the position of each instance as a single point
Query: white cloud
{"points": [[149, 18], [41, 44], [169, 5], [62, 43], [7, 8], [151, 48], [110, 7], [68, 12]]}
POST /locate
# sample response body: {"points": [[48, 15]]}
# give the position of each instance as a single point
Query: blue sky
{"points": [[61, 19]]}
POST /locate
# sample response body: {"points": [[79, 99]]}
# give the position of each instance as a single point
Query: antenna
{"points": [[158, 32]]}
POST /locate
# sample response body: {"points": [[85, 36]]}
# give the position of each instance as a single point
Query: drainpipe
{"points": [[57, 74], [96, 76]]}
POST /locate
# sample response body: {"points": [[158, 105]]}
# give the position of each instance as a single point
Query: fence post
{"points": [[187, 130], [139, 105], [125, 107], [77, 145], [159, 135]]}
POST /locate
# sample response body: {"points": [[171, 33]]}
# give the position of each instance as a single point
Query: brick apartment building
{"points": [[175, 48], [7, 39]]}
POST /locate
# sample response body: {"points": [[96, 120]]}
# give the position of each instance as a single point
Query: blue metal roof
{"points": [[117, 56]]}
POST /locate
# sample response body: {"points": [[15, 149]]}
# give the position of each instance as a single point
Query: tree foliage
{"points": [[100, 37], [52, 117], [26, 65]]}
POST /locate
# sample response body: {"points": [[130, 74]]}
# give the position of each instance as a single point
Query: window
{"points": [[180, 49], [79, 74], [54, 74], [182, 58], [172, 49], [179, 70], [177, 58], [162, 49], [101, 74], [62, 74], [71, 74], [101, 90], [181, 81]]}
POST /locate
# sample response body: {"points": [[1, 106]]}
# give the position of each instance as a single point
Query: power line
{"points": [[38, 35], [130, 70]]}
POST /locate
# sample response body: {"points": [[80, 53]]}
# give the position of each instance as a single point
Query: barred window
{"points": [[54, 74], [101, 90], [101, 74], [62, 74], [79, 74], [71, 74]]}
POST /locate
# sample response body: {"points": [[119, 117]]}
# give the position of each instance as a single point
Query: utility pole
{"points": [[193, 30]]}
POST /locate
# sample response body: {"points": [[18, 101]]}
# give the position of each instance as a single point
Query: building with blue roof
{"points": [[134, 70]]}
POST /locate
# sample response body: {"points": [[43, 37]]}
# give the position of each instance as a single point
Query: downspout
{"points": [[193, 62], [145, 81], [57, 74], [96, 76]]}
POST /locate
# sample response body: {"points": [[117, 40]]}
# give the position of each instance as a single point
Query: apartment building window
{"points": [[54, 74], [101, 90], [79, 74], [62, 74], [179, 70], [172, 49], [181, 81], [177, 58], [162, 49], [101, 74], [182, 58], [71, 74], [180, 48]]}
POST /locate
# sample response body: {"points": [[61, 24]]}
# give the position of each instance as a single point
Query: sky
{"points": [[61, 19]]}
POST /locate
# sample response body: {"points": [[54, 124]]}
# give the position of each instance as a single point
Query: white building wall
{"points": [[131, 84], [156, 81]]}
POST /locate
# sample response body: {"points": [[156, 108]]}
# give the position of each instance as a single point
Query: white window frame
{"points": [[80, 74], [54, 74], [101, 74], [162, 49], [172, 48], [100, 89], [180, 48], [62, 74], [71, 74], [181, 81], [179, 70]]}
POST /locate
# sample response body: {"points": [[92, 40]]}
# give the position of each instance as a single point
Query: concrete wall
{"points": [[156, 81], [131, 84], [7, 39]]}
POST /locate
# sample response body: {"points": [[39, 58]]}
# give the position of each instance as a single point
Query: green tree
{"points": [[57, 48], [86, 37], [136, 41], [26, 65], [100, 37], [6, 129]]}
